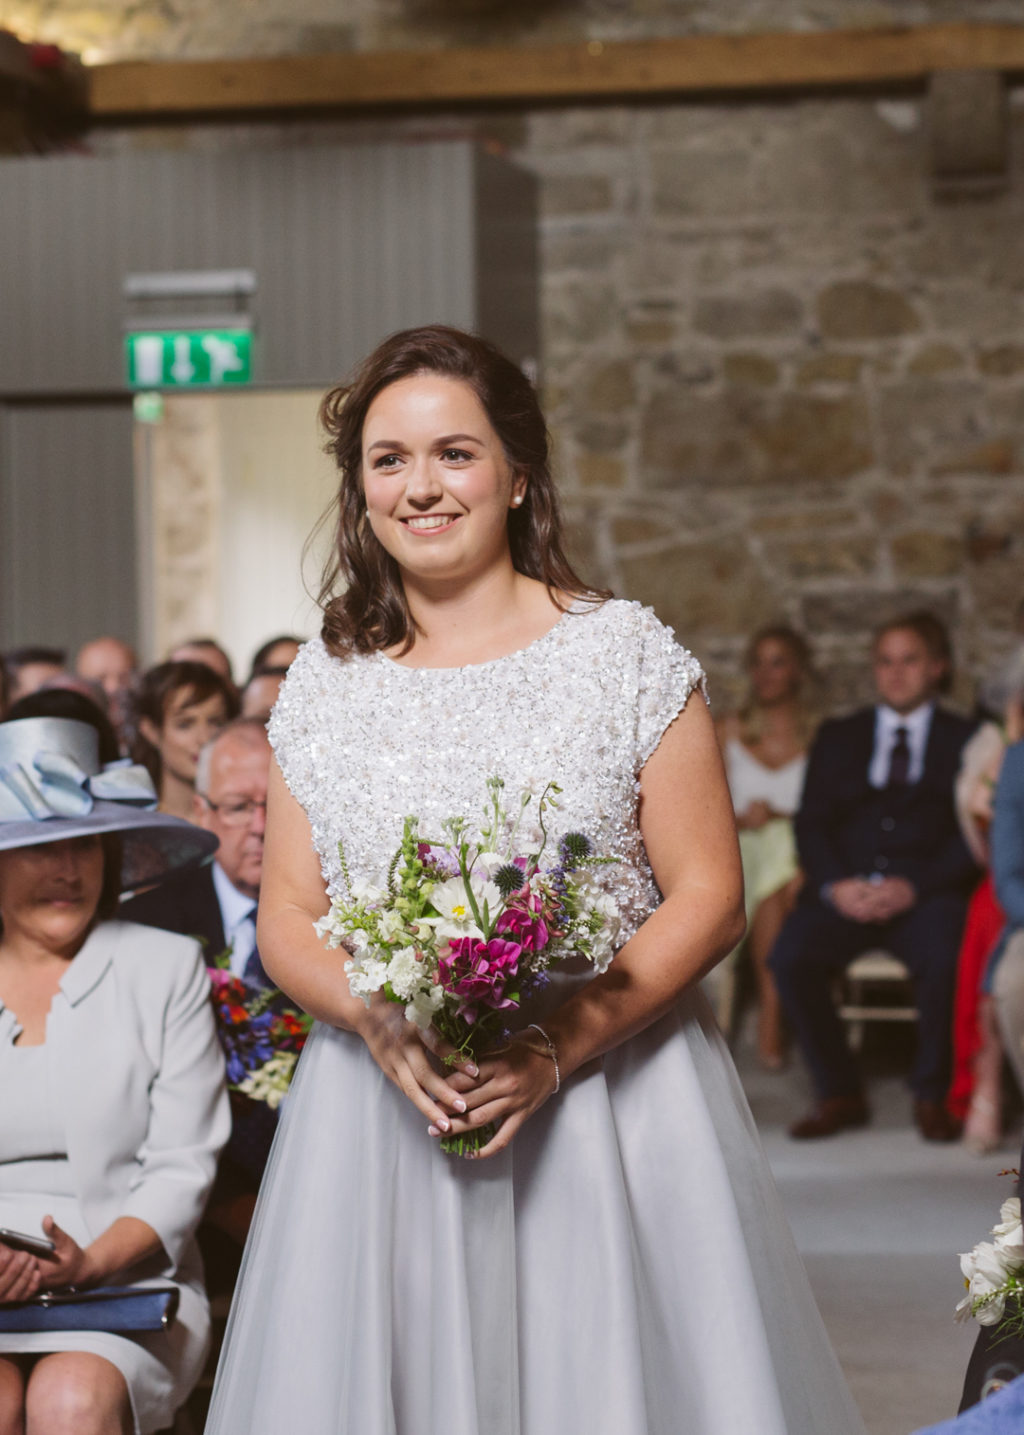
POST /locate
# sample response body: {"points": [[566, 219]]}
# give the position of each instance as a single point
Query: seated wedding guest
{"points": [[1006, 972], [205, 650], [887, 867], [217, 905], [113, 665], [274, 654], [975, 1092], [109, 662], [30, 668], [765, 749], [179, 707], [112, 1099], [260, 693]]}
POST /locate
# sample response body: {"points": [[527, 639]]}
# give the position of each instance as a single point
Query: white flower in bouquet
{"points": [[367, 893], [985, 1270], [451, 901], [330, 930], [489, 862], [391, 925], [1009, 1231], [424, 1006], [602, 948], [358, 941], [405, 973], [366, 976]]}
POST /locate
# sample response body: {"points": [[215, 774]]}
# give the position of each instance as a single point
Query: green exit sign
{"points": [[183, 358]]}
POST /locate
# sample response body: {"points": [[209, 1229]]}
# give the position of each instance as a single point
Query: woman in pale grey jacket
{"points": [[112, 1101]]}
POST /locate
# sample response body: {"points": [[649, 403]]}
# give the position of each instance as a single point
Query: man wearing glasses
{"points": [[217, 905]]}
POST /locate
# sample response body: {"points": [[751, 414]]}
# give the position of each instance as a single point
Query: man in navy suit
{"points": [[885, 867]]}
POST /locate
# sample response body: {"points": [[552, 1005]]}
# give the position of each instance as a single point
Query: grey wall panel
{"points": [[348, 243], [67, 547]]}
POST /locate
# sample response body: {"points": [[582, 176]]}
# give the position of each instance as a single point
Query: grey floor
{"points": [[879, 1217]]}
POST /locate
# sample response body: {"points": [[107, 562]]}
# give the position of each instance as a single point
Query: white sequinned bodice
{"points": [[366, 741]]}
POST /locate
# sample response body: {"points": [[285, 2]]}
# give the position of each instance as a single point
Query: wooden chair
{"points": [[875, 988]]}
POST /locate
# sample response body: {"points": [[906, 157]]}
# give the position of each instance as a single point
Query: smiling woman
{"points": [[438, 427], [542, 1279], [180, 706]]}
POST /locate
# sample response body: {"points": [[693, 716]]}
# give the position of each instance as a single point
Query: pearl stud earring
{"points": [[517, 500]]}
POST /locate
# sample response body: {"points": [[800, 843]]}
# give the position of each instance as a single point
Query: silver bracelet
{"points": [[552, 1052]]}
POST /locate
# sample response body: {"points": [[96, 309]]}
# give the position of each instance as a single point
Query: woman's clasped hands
{"points": [[504, 1089]]}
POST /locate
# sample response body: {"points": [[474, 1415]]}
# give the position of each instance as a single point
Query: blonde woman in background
{"points": [[765, 747]]}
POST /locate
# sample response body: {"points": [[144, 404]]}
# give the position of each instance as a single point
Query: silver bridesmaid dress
{"points": [[624, 1267]]}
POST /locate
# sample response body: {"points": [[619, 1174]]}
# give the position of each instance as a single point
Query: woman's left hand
{"points": [[513, 1083], [69, 1265]]}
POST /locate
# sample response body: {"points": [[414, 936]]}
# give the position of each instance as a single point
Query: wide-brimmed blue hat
{"points": [[54, 787]]}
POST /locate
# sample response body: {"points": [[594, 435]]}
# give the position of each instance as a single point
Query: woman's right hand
{"points": [[19, 1275], [403, 1052]]}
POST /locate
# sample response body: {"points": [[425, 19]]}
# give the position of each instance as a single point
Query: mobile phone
{"points": [[35, 1245]]}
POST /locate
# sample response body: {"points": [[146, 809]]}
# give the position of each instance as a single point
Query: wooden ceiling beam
{"points": [[699, 65]]}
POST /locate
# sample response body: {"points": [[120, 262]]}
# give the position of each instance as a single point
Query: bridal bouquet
{"points": [[994, 1275], [260, 1034], [468, 924]]}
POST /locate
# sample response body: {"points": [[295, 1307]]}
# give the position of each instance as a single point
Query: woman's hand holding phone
{"points": [[19, 1274]]}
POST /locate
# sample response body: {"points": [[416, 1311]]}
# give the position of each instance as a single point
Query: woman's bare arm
{"points": [[292, 897], [687, 824]]}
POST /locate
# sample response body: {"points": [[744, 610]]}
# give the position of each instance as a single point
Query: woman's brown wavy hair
{"points": [[372, 613]]}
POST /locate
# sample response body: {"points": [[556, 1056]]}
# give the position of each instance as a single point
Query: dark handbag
{"points": [[110, 1308]]}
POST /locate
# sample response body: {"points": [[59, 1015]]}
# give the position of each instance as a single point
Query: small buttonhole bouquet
{"points": [[994, 1276]]}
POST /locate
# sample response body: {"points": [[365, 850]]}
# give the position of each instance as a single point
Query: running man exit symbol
{"points": [[177, 358]]}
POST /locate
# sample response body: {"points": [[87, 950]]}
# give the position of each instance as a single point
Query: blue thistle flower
{"points": [[509, 879], [574, 848]]}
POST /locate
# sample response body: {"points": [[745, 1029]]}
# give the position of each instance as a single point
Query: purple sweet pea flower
{"points": [[477, 972], [525, 925]]}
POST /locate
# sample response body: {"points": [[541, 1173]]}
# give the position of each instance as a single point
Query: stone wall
{"points": [[785, 381]]}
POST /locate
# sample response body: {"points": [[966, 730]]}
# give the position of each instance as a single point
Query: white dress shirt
{"points": [[917, 723], [238, 913]]}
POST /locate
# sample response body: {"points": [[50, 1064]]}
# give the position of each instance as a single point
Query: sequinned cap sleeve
{"points": [[293, 727], [668, 675]]}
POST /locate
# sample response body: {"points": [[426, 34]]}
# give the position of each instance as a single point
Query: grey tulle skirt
{"points": [[624, 1268]]}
